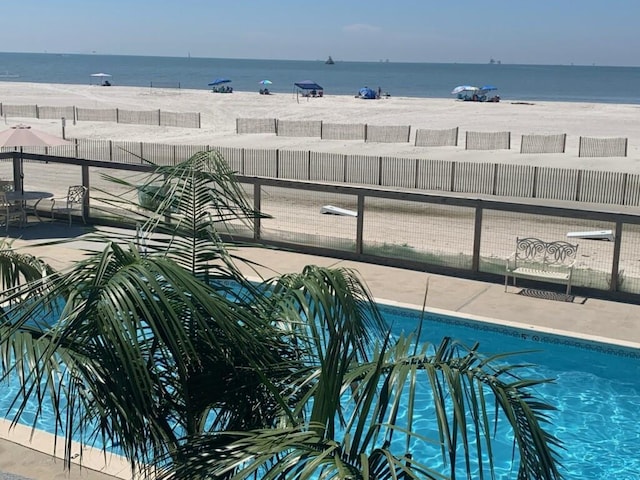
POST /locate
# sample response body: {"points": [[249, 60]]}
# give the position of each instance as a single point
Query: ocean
{"points": [[560, 83]]}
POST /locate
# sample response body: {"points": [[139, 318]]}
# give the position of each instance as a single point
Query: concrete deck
{"points": [[584, 317]]}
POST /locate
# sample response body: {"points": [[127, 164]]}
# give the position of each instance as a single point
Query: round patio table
{"points": [[29, 195]]}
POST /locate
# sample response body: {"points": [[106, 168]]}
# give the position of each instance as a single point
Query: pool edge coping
{"points": [[511, 324]]}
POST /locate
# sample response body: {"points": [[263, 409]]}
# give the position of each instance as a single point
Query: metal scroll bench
{"points": [[536, 259]]}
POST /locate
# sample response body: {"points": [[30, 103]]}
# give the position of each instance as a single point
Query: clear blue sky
{"points": [[601, 32]]}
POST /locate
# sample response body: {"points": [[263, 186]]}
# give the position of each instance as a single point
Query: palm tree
{"points": [[166, 351]]}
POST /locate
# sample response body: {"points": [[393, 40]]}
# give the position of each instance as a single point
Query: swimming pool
{"points": [[597, 391]]}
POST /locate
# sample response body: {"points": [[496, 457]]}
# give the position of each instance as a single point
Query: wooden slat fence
{"points": [[602, 147], [294, 164], [543, 143], [437, 138], [362, 169], [488, 140], [343, 131], [388, 133]]}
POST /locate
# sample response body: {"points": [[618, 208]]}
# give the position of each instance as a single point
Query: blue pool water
{"points": [[597, 392]]}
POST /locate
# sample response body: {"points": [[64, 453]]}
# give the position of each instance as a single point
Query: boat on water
{"points": [[329, 61]]}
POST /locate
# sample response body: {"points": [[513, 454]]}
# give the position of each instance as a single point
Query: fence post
{"points": [[360, 225], [257, 201], [159, 118], [615, 265], [580, 147], [494, 188], [477, 232], [379, 170], [86, 182], [578, 185], [277, 163], [452, 185], [37, 111], [117, 115], [344, 168], [534, 186], [625, 178]]}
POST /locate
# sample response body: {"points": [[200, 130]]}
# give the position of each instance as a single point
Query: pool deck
{"points": [[596, 319]]}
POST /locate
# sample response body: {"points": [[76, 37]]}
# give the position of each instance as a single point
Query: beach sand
{"points": [[219, 113]]}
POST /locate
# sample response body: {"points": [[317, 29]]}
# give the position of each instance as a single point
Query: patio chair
{"points": [[10, 211], [73, 202]]}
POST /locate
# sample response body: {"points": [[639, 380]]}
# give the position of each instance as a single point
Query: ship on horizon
{"points": [[329, 61]]}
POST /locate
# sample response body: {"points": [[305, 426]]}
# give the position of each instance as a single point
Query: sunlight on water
{"points": [[597, 394]]}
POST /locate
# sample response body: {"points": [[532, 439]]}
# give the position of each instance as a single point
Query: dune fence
{"points": [[437, 138], [256, 125], [543, 143], [76, 114], [602, 147], [488, 141]]}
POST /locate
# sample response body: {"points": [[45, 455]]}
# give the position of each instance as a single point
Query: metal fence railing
{"points": [[460, 235]]}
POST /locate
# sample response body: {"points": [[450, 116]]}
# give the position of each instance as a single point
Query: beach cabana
{"points": [[218, 85], [101, 79], [309, 88], [367, 93]]}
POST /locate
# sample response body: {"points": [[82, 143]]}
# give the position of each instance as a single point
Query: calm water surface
{"points": [[429, 80]]}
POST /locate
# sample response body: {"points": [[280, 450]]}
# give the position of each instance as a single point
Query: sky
{"points": [[552, 32]]}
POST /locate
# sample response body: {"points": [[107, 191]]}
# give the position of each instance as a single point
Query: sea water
{"points": [[567, 83]]}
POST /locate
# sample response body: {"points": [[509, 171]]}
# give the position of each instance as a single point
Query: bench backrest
{"points": [[534, 250]]}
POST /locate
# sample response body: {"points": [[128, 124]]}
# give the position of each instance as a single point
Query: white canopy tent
{"points": [[101, 78]]}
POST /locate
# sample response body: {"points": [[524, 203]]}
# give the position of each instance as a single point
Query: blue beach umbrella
{"points": [[488, 88], [265, 82], [219, 81]]}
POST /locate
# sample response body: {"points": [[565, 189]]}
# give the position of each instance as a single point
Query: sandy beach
{"points": [[220, 111]]}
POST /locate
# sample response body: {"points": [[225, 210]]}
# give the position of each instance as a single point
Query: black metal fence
{"points": [[471, 237]]}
